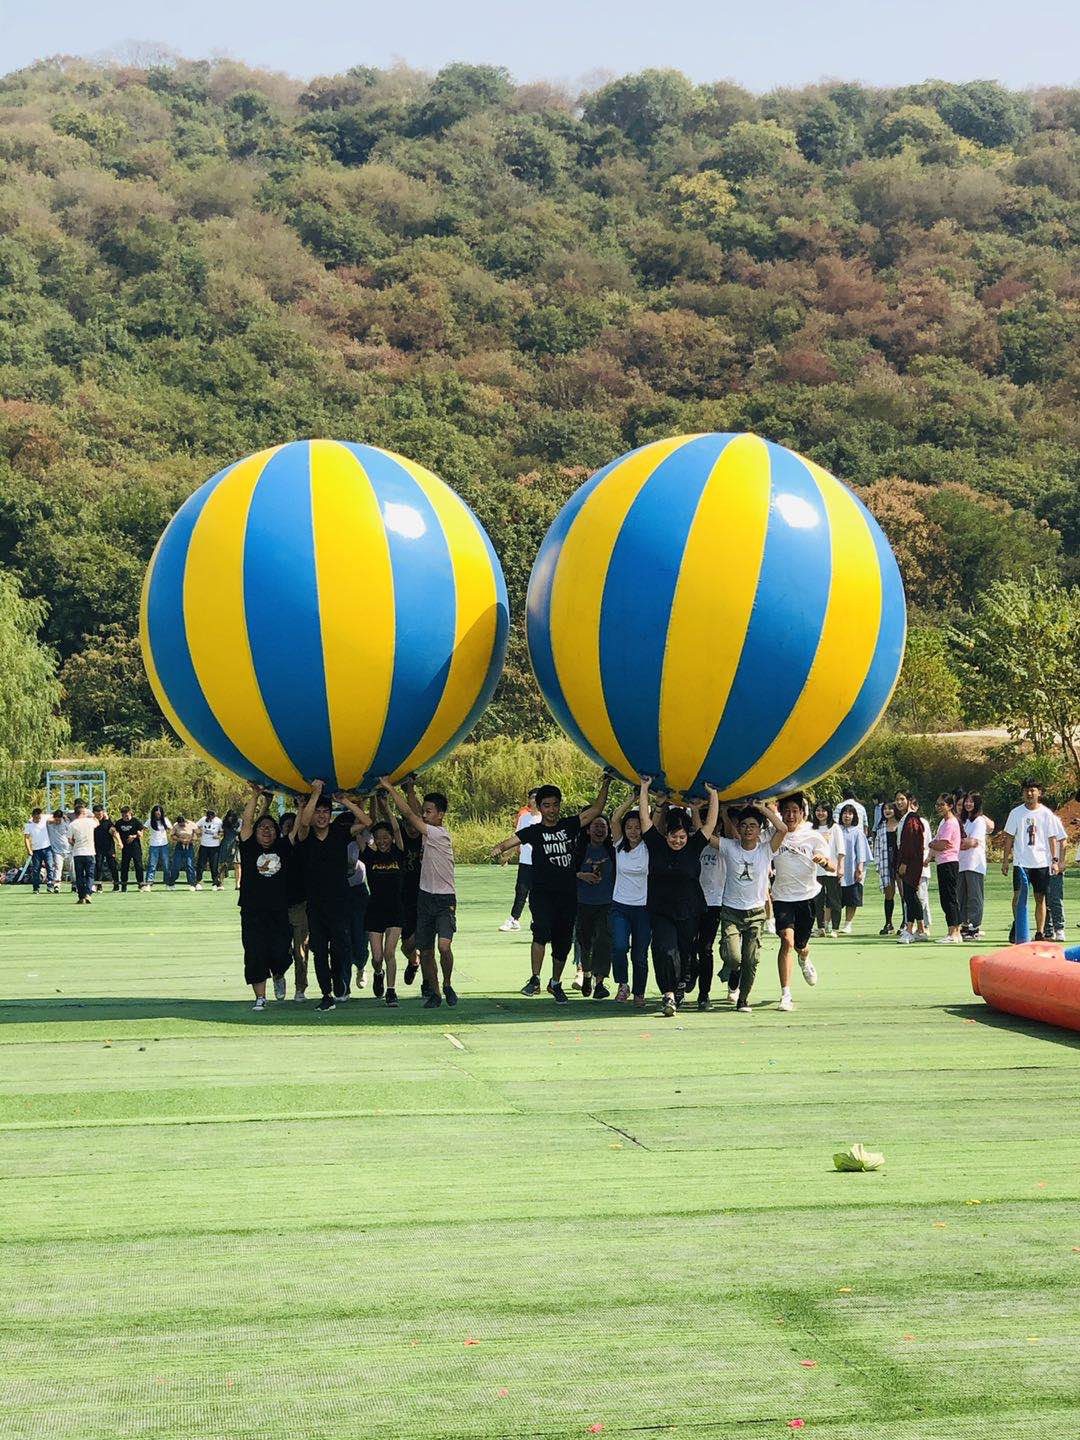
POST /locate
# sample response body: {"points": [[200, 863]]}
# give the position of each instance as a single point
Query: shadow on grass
{"points": [[983, 1014]]}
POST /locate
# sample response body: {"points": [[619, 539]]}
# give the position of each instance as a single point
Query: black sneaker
{"points": [[433, 1002], [327, 1003], [601, 992], [704, 1003], [586, 986], [886, 930], [533, 987], [391, 999], [449, 994], [559, 994], [680, 996], [1038, 935], [410, 972], [378, 984]]}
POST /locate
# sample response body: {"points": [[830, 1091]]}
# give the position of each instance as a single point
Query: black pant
{"points": [[359, 945], [84, 875], [948, 873], [328, 941], [913, 911], [522, 887], [828, 902], [672, 950], [594, 936], [131, 855], [704, 939], [106, 860], [209, 855], [265, 936]]}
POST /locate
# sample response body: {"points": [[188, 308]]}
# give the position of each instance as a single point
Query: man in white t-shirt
{"points": [[209, 830], [59, 827], [795, 889], [528, 815], [1035, 841], [36, 840], [83, 830], [746, 888]]}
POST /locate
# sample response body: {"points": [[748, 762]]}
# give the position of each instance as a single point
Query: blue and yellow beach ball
{"points": [[716, 608], [323, 610]]}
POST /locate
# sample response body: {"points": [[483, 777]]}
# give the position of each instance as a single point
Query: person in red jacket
{"points": [[911, 839]]}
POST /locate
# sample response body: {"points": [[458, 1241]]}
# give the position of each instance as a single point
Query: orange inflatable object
{"points": [[1033, 980]]}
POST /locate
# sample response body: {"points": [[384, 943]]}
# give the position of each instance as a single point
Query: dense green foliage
{"points": [[513, 286], [30, 724]]}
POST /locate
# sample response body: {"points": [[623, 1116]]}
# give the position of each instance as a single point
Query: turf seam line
{"points": [[619, 1131]]}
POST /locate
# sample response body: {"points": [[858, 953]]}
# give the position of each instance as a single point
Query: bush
{"points": [[1001, 792], [889, 762]]}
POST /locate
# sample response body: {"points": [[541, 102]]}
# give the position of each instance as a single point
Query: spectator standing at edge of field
{"points": [[158, 827], [36, 840], [59, 827], [528, 815], [855, 860], [859, 807], [105, 849], [1033, 841], [883, 844], [128, 830], [209, 831], [85, 830], [183, 834], [945, 850], [1055, 889], [977, 829], [910, 856]]}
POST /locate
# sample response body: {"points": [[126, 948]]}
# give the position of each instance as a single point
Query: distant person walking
{"points": [[36, 840]]}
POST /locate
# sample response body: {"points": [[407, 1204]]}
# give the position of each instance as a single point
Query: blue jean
{"points": [[157, 855], [183, 855], [41, 860], [1055, 903], [84, 875], [630, 935]]}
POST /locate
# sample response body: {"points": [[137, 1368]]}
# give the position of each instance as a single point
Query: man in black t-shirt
{"points": [[553, 900], [105, 848], [128, 830], [264, 899], [324, 845]]}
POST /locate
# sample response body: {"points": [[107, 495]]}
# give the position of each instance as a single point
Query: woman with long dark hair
{"points": [[630, 928], [884, 846], [827, 902], [158, 828], [977, 829]]}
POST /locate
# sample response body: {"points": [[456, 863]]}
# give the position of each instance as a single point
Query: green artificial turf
{"points": [[218, 1225]]}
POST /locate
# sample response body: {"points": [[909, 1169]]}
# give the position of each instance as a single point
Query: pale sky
{"points": [[775, 42]]}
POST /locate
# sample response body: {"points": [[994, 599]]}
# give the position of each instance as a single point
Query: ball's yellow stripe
{"points": [[216, 623], [846, 646], [575, 603], [356, 611], [475, 614], [714, 596]]}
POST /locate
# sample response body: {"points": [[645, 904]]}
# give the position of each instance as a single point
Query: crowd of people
{"points": [[656, 879]]}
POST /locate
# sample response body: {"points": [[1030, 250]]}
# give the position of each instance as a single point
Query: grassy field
{"points": [[517, 1220]]}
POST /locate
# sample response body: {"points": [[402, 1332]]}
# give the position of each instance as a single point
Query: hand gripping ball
{"points": [[323, 610], [716, 608]]}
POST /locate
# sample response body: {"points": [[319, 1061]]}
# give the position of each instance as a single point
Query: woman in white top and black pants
{"points": [[631, 930], [976, 829]]}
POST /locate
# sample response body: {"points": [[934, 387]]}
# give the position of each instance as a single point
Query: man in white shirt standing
{"points": [[1034, 840], [208, 830], [36, 840], [59, 828], [83, 850], [795, 888]]}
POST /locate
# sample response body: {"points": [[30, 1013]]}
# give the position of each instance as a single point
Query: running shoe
{"points": [[410, 972], [680, 996], [622, 995], [391, 999], [197, 887], [743, 1009], [886, 930], [1059, 937], [704, 1003], [433, 1001], [786, 1003], [326, 1003], [378, 984], [600, 991], [508, 925], [669, 1005], [806, 965], [279, 987], [449, 994], [532, 987], [300, 995], [905, 938], [578, 980], [733, 997], [361, 978], [821, 932], [260, 1003], [559, 995], [847, 929], [639, 1002], [586, 986]]}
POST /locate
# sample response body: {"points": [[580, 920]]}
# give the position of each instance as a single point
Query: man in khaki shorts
{"points": [[436, 906]]}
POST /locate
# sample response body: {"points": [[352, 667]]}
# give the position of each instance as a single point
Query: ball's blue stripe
{"points": [[286, 640], [168, 640], [880, 679], [498, 650], [538, 609], [425, 606], [639, 593], [791, 597]]}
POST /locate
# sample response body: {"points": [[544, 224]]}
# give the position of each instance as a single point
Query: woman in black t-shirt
{"points": [[384, 860], [264, 900]]}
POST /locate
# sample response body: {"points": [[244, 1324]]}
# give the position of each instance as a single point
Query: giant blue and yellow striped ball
{"points": [[716, 608], [323, 610]]}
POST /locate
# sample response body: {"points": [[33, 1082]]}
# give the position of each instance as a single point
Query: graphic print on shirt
{"points": [[268, 864]]}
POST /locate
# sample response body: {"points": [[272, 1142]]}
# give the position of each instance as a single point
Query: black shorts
{"points": [[852, 895], [795, 915], [383, 915], [553, 917], [266, 936], [410, 899], [436, 915], [1038, 877]]}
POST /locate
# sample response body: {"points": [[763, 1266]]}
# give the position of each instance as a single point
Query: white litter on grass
{"points": [[454, 1041]]}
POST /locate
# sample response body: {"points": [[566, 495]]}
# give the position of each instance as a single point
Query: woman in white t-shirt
{"points": [[209, 830], [977, 829], [828, 903], [630, 927], [158, 826]]}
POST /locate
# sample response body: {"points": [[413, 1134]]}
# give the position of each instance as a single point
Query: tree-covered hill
{"points": [[513, 285]]}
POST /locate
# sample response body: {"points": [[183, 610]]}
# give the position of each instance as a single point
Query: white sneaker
{"points": [[198, 887], [1059, 937], [219, 887], [786, 1003], [279, 987], [806, 965], [340, 999], [948, 940], [821, 932], [905, 938], [144, 887], [733, 997], [508, 925], [743, 1009], [847, 928], [260, 1003], [300, 995]]}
